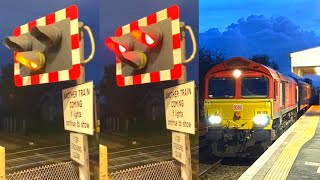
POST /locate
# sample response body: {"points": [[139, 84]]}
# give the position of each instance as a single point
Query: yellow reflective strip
{"points": [[303, 133]]}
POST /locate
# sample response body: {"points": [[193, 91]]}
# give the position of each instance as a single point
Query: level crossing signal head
{"points": [[148, 50], [46, 50]]}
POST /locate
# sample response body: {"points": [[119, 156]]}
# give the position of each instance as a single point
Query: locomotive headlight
{"points": [[261, 120], [236, 73], [215, 119]]}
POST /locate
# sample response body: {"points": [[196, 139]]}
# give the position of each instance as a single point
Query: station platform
{"points": [[294, 155]]}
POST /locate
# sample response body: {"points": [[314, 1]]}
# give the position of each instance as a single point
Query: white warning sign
{"points": [[180, 108], [78, 108]]}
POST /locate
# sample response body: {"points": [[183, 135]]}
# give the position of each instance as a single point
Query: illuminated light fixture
{"points": [[33, 65], [261, 120], [149, 39], [236, 73], [119, 45], [215, 119], [150, 36], [237, 114], [122, 48], [34, 60]]}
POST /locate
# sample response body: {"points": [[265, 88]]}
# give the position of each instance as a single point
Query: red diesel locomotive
{"points": [[248, 106]]}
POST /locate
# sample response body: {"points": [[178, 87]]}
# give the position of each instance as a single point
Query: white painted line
{"points": [[313, 164]]}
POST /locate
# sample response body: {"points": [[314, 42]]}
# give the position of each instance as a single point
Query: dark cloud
{"points": [[257, 34], [221, 13]]}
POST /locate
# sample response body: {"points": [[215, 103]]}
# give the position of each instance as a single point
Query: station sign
{"points": [[78, 108], [180, 107]]}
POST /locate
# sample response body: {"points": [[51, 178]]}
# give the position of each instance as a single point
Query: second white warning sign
{"points": [[77, 147], [179, 151]]}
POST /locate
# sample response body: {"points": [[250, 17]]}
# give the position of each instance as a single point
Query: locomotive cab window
{"points": [[254, 87], [221, 88]]}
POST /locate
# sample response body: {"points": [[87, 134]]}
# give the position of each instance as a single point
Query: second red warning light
{"points": [[149, 49]]}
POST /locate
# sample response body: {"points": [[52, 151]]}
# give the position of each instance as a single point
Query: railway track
{"points": [[209, 168], [212, 167], [224, 169]]}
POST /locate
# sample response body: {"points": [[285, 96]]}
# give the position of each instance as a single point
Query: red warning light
{"points": [[110, 44], [149, 39], [148, 36], [118, 45], [122, 49]]}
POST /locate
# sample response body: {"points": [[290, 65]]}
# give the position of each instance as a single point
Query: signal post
{"points": [[186, 170], [88, 110]]}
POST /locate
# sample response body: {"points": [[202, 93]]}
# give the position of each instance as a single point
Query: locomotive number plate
{"points": [[261, 111], [237, 107]]}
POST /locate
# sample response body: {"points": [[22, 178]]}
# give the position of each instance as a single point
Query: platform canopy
{"points": [[306, 62]]}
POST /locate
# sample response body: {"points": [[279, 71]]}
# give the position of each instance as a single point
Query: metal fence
{"points": [[59, 171], [156, 171]]}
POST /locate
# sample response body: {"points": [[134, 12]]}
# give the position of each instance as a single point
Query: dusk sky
{"points": [[249, 27]]}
